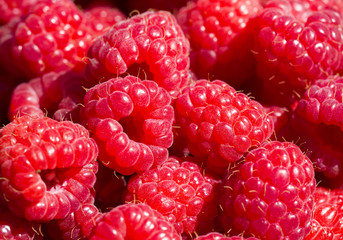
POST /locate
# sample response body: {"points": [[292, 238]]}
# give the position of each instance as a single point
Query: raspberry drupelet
{"points": [[219, 236], [47, 167], [53, 36], [149, 45], [134, 221], [131, 121], [295, 48], [177, 190], [14, 8], [220, 34], [270, 195], [218, 123]]}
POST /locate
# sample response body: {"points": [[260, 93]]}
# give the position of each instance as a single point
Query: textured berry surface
{"points": [[177, 190], [57, 95], [150, 45], [328, 215], [219, 236], [47, 167], [14, 8], [52, 37], [134, 221], [220, 123], [220, 38], [131, 121], [293, 49], [270, 196]]}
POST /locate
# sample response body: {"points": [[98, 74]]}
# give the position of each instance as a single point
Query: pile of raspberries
{"points": [[171, 120]]}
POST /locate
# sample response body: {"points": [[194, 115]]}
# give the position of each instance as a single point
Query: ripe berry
{"points": [[270, 195], [14, 8], [47, 167], [134, 221], [219, 123], [131, 121], [219, 236], [149, 45], [177, 190], [220, 34], [293, 49]]}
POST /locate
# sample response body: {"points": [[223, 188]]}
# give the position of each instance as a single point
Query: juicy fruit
{"points": [[270, 195], [47, 167], [115, 109], [150, 45]]}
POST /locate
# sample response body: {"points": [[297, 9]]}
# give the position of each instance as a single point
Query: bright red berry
{"points": [[14, 8], [47, 167], [131, 121], [149, 45], [219, 123], [270, 195], [219, 236], [134, 221], [220, 36], [177, 190]]}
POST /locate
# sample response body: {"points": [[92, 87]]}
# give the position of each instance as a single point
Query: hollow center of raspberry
{"points": [[50, 178], [133, 127], [140, 70]]}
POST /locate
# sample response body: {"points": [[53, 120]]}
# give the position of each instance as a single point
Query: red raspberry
{"points": [[219, 123], [177, 190], [109, 188], [131, 121], [279, 115], [52, 37], [58, 94], [14, 8], [219, 236], [150, 46], [134, 221], [270, 196], [220, 37], [14, 228], [102, 17], [293, 49], [328, 215], [47, 167]]}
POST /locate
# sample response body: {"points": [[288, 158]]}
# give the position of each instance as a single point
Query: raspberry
{"points": [[279, 115], [270, 195], [328, 215], [177, 190], [150, 46], [219, 236], [58, 94], [47, 167], [293, 49], [219, 123], [131, 121], [134, 221], [220, 35], [14, 8], [13, 227], [101, 17], [51, 37], [170, 6]]}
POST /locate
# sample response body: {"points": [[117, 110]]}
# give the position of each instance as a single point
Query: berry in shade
{"points": [[219, 124], [179, 191], [327, 215], [53, 36], [142, 6], [134, 221], [109, 188], [270, 194], [14, 8], [13, 227], [295, 48], [58, 95], [131, 121], [317, 126], [220, 35], [149, 45], [219, 236], [47, 167], [279, 115], [101, 17]]}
